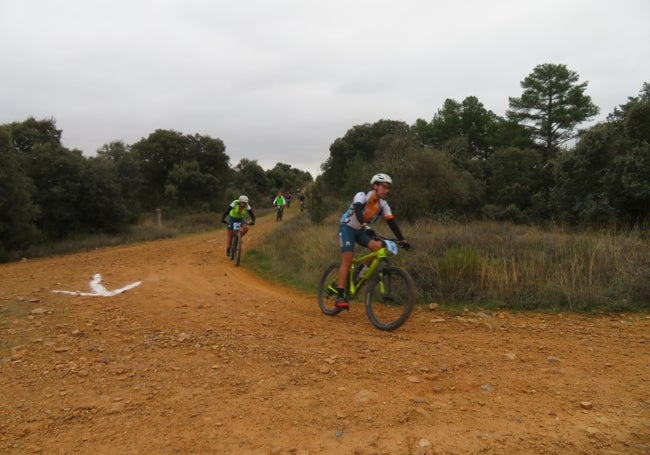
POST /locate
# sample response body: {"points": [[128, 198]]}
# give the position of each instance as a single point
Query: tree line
{"points": [[534, 165], [50, 193]]}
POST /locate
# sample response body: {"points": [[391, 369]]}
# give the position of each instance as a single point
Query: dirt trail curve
{"points": [[205, 358]]}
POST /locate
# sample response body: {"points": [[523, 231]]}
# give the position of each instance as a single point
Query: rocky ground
{"points": [[205, 358]]}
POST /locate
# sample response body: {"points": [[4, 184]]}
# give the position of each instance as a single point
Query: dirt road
{"points": [[205, 358]]}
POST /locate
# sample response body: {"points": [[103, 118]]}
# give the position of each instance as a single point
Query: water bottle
{"points": [[362, 273]]}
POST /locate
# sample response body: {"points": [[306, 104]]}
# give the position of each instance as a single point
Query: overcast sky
{"points": [[280, 80]]}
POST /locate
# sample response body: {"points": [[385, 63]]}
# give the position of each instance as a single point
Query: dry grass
{"points": [[487, 264]]}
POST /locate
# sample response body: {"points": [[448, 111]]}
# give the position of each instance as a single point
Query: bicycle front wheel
{"points": [[327, 291], [233, 246], [237, 249], [390, 298]]}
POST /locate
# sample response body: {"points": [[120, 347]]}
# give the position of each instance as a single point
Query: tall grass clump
{"points": [[296, 252], [494, 265], [523, 267]]}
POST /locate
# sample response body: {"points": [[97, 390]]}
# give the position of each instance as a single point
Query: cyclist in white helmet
{"points": [[365, 209], [235, 213]]}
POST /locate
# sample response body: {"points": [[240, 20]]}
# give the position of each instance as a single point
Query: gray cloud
{"points": [[280, 80]]}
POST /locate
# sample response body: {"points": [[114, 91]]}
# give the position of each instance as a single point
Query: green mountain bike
{"points": [[390, 293]]}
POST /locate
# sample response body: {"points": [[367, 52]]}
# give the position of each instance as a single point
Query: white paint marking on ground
{"points": [[98, 288]]}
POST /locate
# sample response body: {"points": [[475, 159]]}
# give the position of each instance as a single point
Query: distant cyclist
{"points": [[235, 213], [365, 209], [279, 202]]}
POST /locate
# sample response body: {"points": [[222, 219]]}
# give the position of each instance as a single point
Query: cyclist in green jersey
{"points": [[279, 202], [235, 213]]}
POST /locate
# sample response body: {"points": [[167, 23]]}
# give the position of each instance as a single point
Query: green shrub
{"points": [[458, 272]]}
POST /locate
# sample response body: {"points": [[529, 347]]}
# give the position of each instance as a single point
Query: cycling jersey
{"points": [[236, 211], [373, 209]]}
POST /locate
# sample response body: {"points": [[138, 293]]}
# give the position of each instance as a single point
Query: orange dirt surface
{"points": [[206, 358]]}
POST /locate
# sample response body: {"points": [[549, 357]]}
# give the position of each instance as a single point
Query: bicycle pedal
{"points": [[343, 305]]}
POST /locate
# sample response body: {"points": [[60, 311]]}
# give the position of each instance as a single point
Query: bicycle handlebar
{"points": [[250, 224], [402, 243]]}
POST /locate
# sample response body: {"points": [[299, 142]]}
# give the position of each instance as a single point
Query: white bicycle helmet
{"points": [[381, 178], [243, 198]]}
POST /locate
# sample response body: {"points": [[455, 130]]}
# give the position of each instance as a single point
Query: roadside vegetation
{"points": [[483, 264], [146, 230]]}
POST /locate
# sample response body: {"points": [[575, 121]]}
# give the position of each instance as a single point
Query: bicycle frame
{"points": [[377, 257]]}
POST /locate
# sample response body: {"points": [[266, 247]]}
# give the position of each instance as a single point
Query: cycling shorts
{"points": [[232, 220], [349, 236]]}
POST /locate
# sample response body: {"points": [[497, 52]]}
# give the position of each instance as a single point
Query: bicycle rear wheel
{"points": [[390, 298], [327, 291], [238, 247]]}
